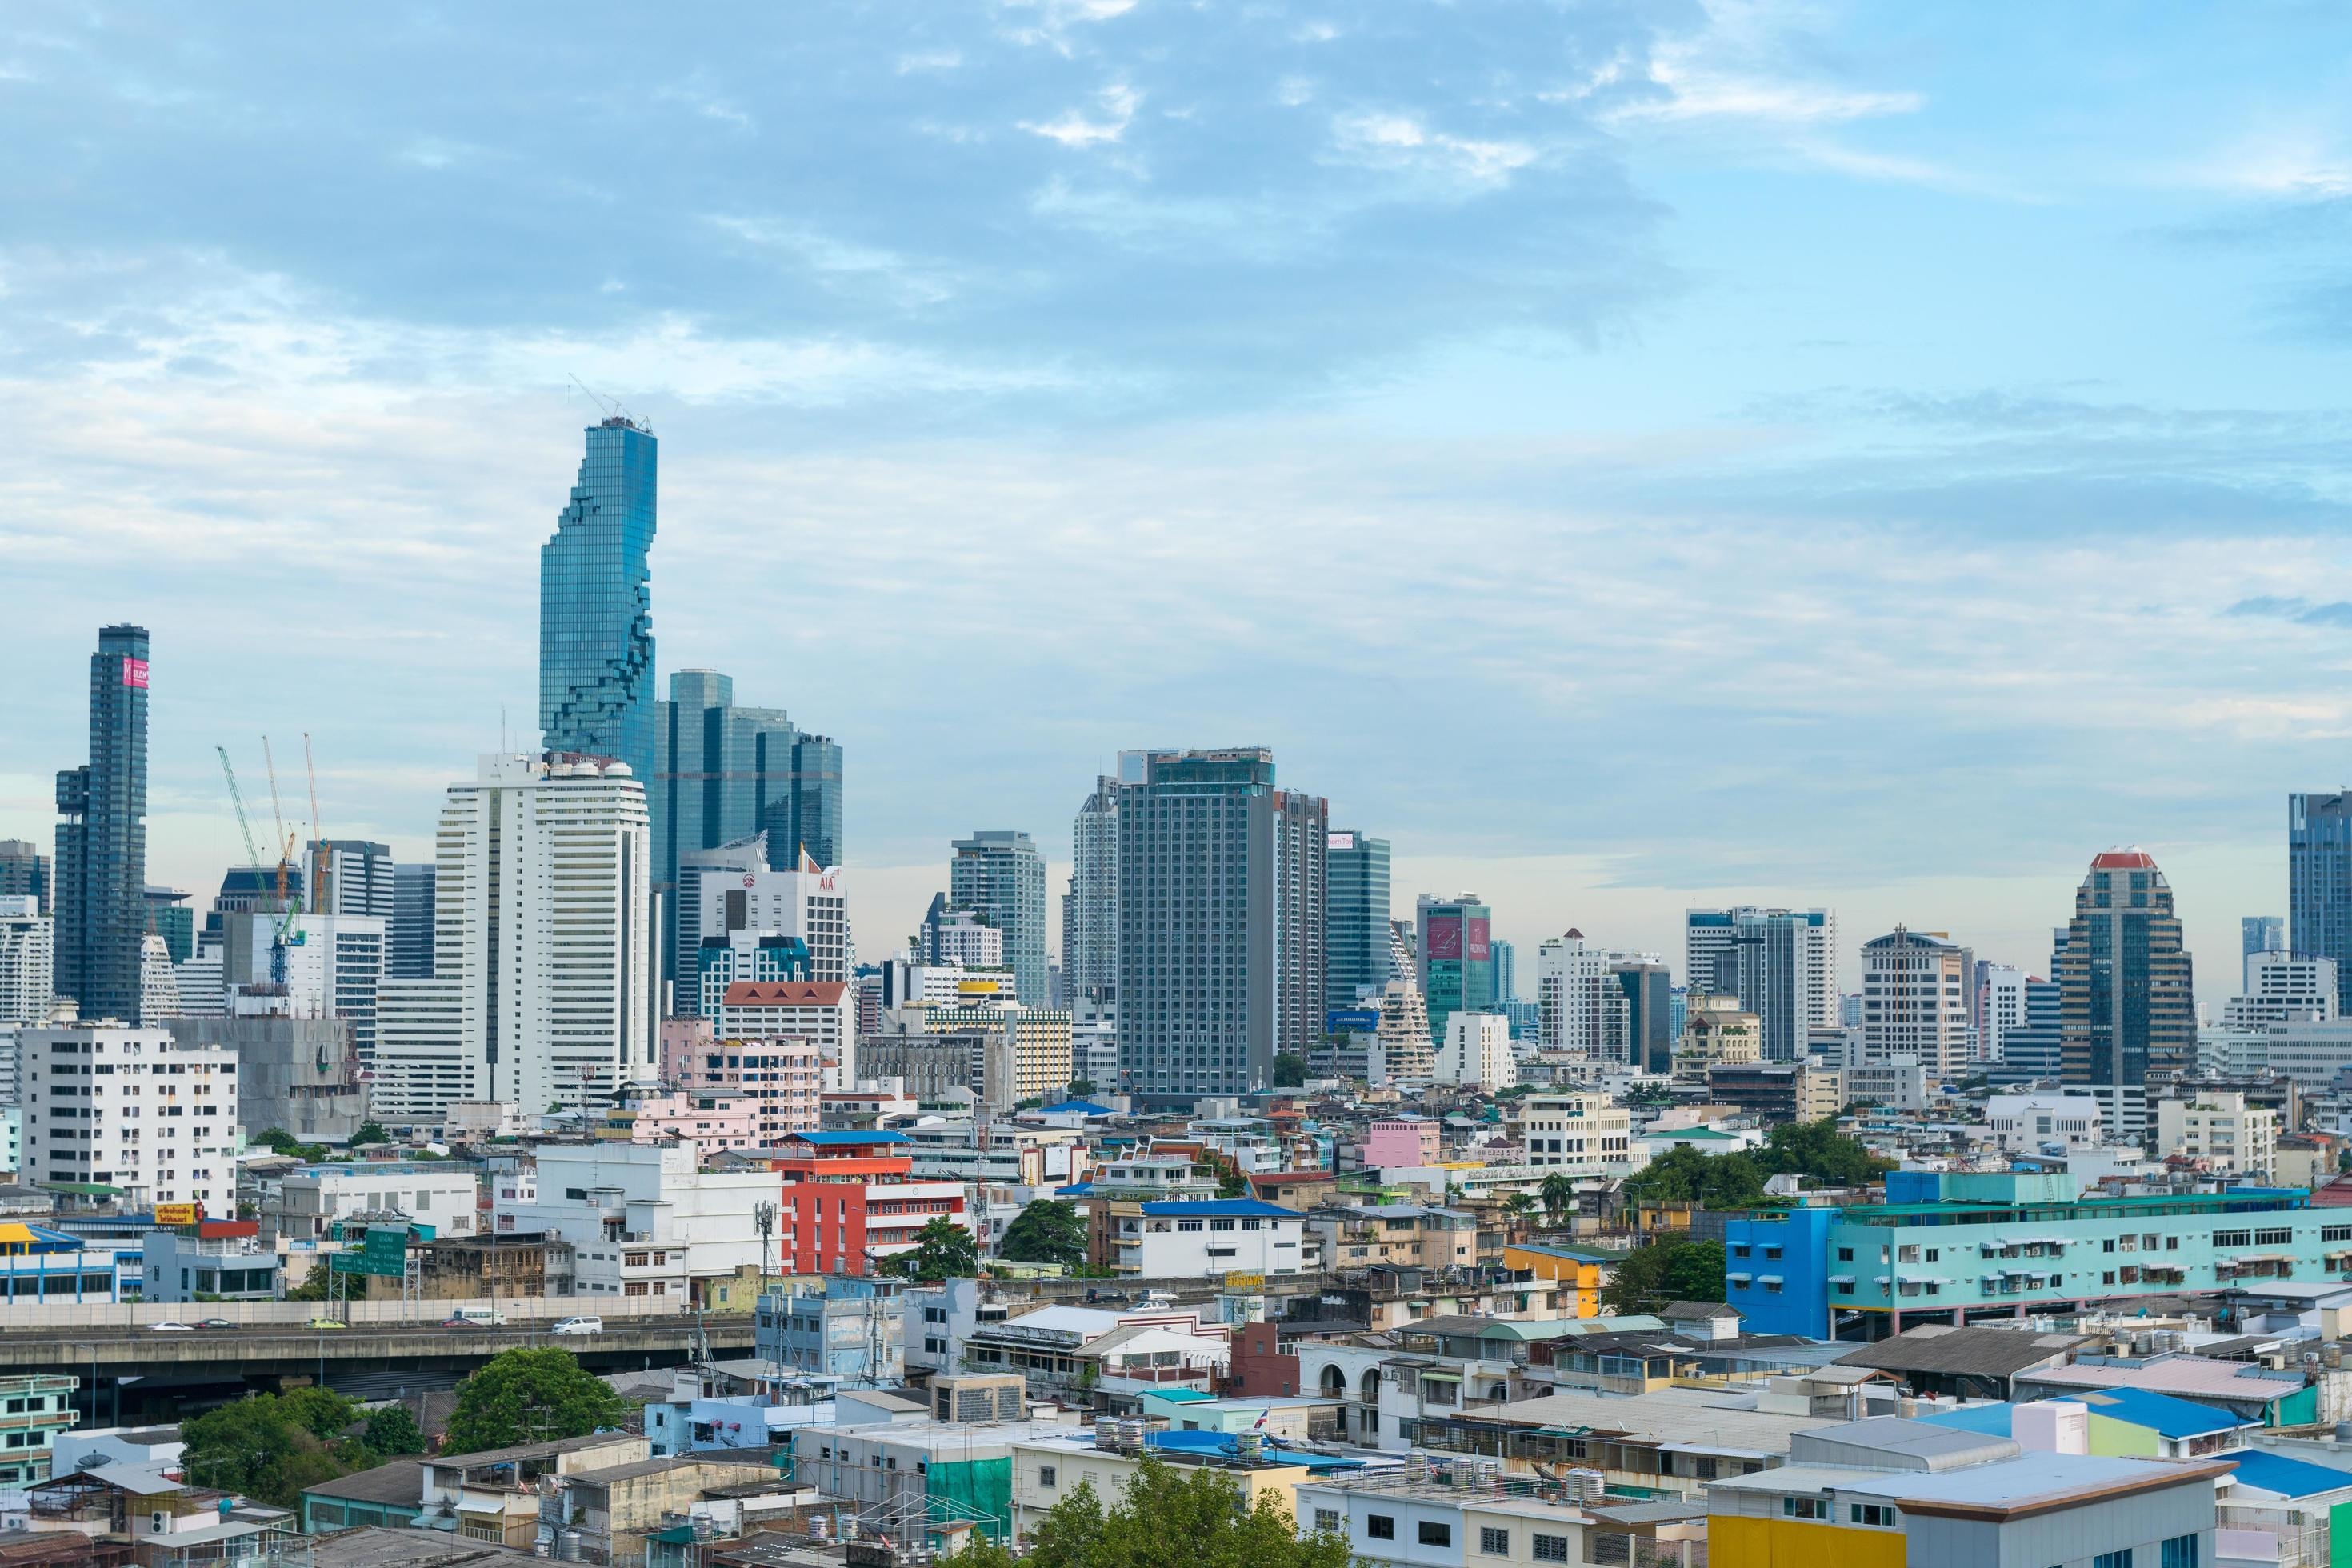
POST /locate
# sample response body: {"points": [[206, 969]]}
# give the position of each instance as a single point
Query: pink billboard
{"points": [[1479, 951], [1445, 936]]}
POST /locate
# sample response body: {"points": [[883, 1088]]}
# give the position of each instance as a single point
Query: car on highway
{"points": [[326, 1323], [577, 1326], [218, 1323], [171, 1328]]}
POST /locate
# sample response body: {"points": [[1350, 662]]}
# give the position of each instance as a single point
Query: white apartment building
{"points": [[27, 961], [1915, 1001], [544, 952], [2310, 1051], [964, 938], [306, 1203], [2282, 987], [1477, 1051], [821, 1012], [2001, 1006], [1570, 1129], [808, 903], [1572, 987], [643, 1220], [1183, 1238], [129, 1108], [2223, 1128], [2026, 1123]]}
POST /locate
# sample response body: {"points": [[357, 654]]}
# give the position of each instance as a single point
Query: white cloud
{"points": [[1119, 103], [930, 61], [1400, 141]]}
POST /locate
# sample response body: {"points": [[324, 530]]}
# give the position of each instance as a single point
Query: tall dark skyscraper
{"points": [[100, 876], [2319, 882], [595, 604], [2126, 1009], [1356, 924], [410, 955]]}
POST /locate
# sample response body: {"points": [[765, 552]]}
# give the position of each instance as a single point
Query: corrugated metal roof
{"points": [[2287, 1476]]}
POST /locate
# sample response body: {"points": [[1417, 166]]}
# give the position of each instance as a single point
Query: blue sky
{"points": [[1628, 455]]}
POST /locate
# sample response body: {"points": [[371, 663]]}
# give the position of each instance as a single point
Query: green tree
{"points": [[392, 1431], [1047, 1231], [1817, 1149], [1171, 1518], [1080, 1087], [1558, 1195], [1671, 1268], [1683, 1175], [371, 1132], [314, 1284], [943, 1250], [269, 1447], [530, 1396], [1289, 1070], [278, 1140]]}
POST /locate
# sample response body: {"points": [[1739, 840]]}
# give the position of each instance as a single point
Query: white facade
{"points": [[2310, 1051], [2000, 1005], [1570, 1129], [334, 967], [543, 940], [2023, 1123], [965, 939], [1202, 1239], [27, 961], [2280, 987], [2221, 1128], [1915, 1001], [1710, 935], [642, 1219], [813, 905], [1477, 1051], [309, 1202], [131, 1107], [820, 1012], [1572, 987]]}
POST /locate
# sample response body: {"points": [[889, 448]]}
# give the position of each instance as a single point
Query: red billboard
{"points": [[1479, 951], [135, 672], [1445, 936]]}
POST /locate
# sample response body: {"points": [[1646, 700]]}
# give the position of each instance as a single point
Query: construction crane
{"points": [[253, 853], [318, 851], [277, 814]]}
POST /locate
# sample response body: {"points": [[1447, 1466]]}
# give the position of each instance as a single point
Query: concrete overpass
{"points": [[148, 1376]]}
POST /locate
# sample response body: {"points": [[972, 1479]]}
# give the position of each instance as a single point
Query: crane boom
{"points": [[236, 798], [276, 814], [318, 850]]}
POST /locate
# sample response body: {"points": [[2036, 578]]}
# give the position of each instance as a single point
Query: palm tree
{"points": [[1521, 1206], [1558, 1195]]}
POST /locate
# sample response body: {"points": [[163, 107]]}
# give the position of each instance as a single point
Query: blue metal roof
{"points": [[823, 1139], [1992, 1420], [1086, 1107], [2288, 1477], [1219, 1209], [1075, 1190], [2167, 1414]]}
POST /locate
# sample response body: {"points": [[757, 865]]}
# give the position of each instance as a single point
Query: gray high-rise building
{"points": [[2263, 933], [723, 773], [1302, 845], [24, 871], [1649, 1011], [1780, 963], [352, 877], [1507, 972], [1199, 969], [100, 893], [998, 875], [2319, 882], [1356, 925], [595, 603], [2127, 1010], [410, 955], [1090, 907]]}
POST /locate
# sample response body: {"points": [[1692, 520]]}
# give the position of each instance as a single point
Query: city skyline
{"points": [[1711, 491]]}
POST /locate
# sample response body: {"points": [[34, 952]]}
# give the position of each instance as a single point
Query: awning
{"points": [[1840, 1279], [1768, 1280], [1440, 1377], [1742, 1279]]}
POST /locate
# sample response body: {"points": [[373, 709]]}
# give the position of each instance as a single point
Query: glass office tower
{"points": [[2319, 882], [1356, 924], [595, 604], [101, 892], [998, 875]]}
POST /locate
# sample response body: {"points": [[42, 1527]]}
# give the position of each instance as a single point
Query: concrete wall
{"points": [[518, 1310]]}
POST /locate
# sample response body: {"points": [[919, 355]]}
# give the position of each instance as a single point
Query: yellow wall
{"points": [[2121, 1439], [1584, 1278], [1735, 1539]]}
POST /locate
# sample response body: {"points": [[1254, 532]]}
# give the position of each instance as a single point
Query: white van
{"points": [[578, 1326], [477, 1317]]}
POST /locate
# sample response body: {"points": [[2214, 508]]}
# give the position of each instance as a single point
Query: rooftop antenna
{"points": [[610, 407]]}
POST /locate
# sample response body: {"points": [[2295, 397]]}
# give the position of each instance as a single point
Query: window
{"points": [[1044, 1475], [1871, 1513], [1552, 1549], [2221, 1238], [1380, 1526], [2180, 1551], [1327, 1519], [1435, 1532], [2274, 1238], [2122, 1559], [1805, 1507], [2333, 1233], [1497, 1542], [1845, 1254]]}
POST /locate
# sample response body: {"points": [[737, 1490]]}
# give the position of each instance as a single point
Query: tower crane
{"points": [[318, 851], [253, 853]]}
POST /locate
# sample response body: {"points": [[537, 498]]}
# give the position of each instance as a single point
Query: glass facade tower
{"points": [[101, 892], [1455, 950], [1356, 926], [2319, 883], [2126, 1011], [999, 876], [595, 604]]}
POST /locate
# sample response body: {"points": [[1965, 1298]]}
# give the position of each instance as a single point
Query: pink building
{"points": [[709, 1122], [682, 1040], [780, 1078], [1406, 1140], [822, 1012]]}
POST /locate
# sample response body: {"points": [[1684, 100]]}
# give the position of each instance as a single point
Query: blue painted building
{"points": [[1947, 1245], [849, 1327]]}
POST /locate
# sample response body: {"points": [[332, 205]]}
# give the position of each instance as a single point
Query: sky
{"points": [[1629, 456]]}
